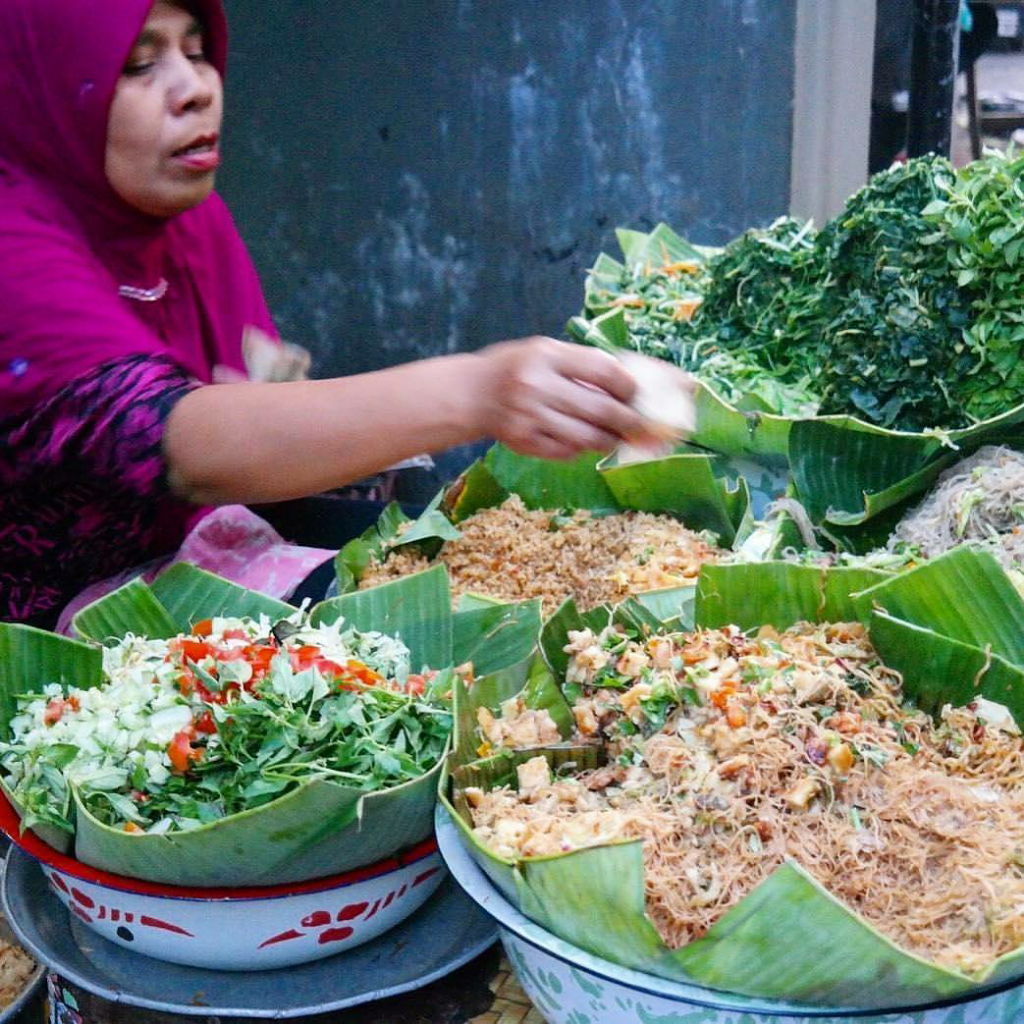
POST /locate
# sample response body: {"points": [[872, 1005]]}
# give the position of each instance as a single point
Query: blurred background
{"points": [[416, 177]]}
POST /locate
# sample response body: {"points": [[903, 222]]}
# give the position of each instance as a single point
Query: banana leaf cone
{"points": [[847, 471], [789, 938], [316, 829]]}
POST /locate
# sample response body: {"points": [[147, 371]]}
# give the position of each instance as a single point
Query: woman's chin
{"points": [[171, 200]]}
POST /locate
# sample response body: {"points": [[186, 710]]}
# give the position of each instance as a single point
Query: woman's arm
{"points": [[269, 442]]}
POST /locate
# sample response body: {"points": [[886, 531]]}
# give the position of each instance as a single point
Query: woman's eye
{"points": [[199, 58], [134, 70]]}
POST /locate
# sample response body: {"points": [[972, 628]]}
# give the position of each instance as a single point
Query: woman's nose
{"points": [[193, 89]]}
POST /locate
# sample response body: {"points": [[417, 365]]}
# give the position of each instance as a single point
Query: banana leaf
{"points": [[132, 608], [470, 602], [428, 532], [779, 594], [963, 594], [475, 489], [954, 628], [683, 485], [938, 670], [555, 634], [500, 770], [30, 659], [417, 609], [631, 614], [594, 898], [544, 484], [847, 471], [673, 606], [320, 827], [183, 589], [175, 600], [658, 247], [495, 636]]}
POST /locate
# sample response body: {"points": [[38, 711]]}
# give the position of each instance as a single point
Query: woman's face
{"points": [[162, 135]]}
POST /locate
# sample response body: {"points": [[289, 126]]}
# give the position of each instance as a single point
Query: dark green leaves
{"points": [[906, 310]]}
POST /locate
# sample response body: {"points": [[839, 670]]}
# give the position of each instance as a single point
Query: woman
{"points": [[124, 292]]}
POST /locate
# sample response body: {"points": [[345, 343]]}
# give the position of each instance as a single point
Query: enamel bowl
{"points": [[244, 929], [570, 986]]}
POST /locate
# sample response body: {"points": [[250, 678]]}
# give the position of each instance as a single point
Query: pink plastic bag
{"points": [[233, 542]]}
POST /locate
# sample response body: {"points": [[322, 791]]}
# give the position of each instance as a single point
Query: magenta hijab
{"points": [[79, 267]]}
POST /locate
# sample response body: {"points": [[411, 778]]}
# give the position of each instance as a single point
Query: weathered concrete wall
{"points": [[423, 177]]}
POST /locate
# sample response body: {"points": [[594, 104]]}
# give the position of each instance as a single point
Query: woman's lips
{"points": [[199, 159], [201, 155]]}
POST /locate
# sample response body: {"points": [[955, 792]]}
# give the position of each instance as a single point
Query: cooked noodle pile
{"points": [[727, 755], [982, 499]]}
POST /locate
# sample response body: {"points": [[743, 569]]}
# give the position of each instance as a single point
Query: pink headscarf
{"points": [[69, 245]]}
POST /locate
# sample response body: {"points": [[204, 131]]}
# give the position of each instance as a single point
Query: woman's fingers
{"points": [[554, 399], [594, 367], [573, 431], [596, 407]]}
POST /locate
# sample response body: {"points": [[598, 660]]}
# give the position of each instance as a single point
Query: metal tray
{"points": [[447, 932]]}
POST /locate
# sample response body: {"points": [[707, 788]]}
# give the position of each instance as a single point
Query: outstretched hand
{"points": [[552, 399]]}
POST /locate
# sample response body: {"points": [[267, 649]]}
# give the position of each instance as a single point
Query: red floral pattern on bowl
{"points": [[243, 929]]}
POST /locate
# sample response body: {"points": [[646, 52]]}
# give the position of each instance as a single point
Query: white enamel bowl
{"points": [[244, 929], [570, 986]]}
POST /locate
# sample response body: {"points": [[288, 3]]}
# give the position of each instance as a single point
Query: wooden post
{"points": [[933, 76]]}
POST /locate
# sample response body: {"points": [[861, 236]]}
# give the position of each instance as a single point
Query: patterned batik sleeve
{"points": [[83, 484], [107, 426]]}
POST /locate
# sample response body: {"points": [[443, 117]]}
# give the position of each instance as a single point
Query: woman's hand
{"points": [[552, 399]]}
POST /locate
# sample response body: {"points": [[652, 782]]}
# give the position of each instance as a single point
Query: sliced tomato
{"points": [[363, 673], [181, 752], [303, 657], [54, 711], [260, 656], [415, 685], [204, 627], [328, 667], [229, 653], [205, 723], [195, 650], [234, 634]]}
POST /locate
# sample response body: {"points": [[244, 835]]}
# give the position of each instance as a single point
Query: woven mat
{"points": [[511, 1004]]}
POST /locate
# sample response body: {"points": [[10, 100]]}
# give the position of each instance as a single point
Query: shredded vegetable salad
{"points": [[186, 731]]}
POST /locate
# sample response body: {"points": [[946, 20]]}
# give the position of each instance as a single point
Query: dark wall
{"points": [[424, 177]]}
